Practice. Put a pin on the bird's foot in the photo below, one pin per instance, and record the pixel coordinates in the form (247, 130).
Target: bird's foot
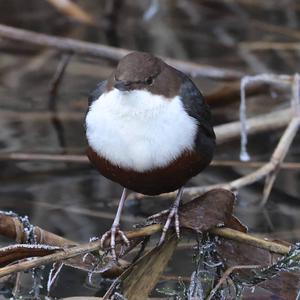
(173, 214)
(113, 233)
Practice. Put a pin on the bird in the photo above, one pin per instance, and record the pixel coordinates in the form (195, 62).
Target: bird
(148, 128)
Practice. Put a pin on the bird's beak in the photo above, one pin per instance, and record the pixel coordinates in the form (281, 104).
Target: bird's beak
(122, 86)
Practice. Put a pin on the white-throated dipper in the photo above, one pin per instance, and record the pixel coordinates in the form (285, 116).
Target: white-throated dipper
(148, 128)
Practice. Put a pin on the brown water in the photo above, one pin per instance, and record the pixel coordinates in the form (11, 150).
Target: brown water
(73, 200)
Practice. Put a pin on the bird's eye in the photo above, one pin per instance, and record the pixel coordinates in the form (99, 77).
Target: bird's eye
(149, 81)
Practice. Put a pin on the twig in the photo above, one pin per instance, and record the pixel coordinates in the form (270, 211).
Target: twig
(45, 157)
(98, 50)
(73, 10)
(56, 80)
(279, 155)
(224, 277)
(139, 233)
(252, 164)
(251, 240)
(261, 46)
(276, 29)
(54, 86)
(12, 227)
(82, 159)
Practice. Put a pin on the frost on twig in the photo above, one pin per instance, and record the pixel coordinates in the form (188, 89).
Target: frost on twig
(53, 274)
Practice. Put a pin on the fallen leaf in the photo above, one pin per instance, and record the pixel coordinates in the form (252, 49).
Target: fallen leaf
(212, 209)
(14, 253)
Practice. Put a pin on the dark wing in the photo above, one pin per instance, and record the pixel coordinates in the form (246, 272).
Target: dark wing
(196, 106)
(100, 89)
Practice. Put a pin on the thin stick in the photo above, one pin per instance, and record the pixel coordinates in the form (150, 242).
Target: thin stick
(224, 277)
(250, 240)
(279, 156)
(45, 157)
(54, 87)
(98, 50)
(82, 159)
(252, 164)
(262, 46)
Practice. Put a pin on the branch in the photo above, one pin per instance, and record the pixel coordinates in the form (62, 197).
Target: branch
(261, 46)
(12, 227)
(98, 50)
(139, 233)
(252, 164)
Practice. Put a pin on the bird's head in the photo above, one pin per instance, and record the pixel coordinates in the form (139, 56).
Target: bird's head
(143, 71)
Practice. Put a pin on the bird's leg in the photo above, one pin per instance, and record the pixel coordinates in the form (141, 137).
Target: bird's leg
(173, 213)
(115, 230)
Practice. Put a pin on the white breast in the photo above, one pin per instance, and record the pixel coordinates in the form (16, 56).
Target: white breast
(138, 130)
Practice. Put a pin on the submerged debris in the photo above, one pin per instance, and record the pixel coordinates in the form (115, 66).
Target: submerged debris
(208, 269)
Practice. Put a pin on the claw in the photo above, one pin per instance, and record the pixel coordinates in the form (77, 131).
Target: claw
(115, 231)
(173, 213)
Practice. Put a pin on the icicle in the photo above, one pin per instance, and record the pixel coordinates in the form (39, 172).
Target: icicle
(247, 80)
(151, 11)
(244, 156)
(295, 101)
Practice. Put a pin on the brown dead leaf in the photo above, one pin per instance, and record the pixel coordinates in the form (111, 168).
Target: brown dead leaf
(16, 252)
(211, 209)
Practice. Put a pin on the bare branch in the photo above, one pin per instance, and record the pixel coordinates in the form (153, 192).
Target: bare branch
(98, 50)
(139, 233)
(252, 164)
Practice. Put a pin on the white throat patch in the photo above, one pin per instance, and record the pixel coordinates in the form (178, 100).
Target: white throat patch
(138, 130)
